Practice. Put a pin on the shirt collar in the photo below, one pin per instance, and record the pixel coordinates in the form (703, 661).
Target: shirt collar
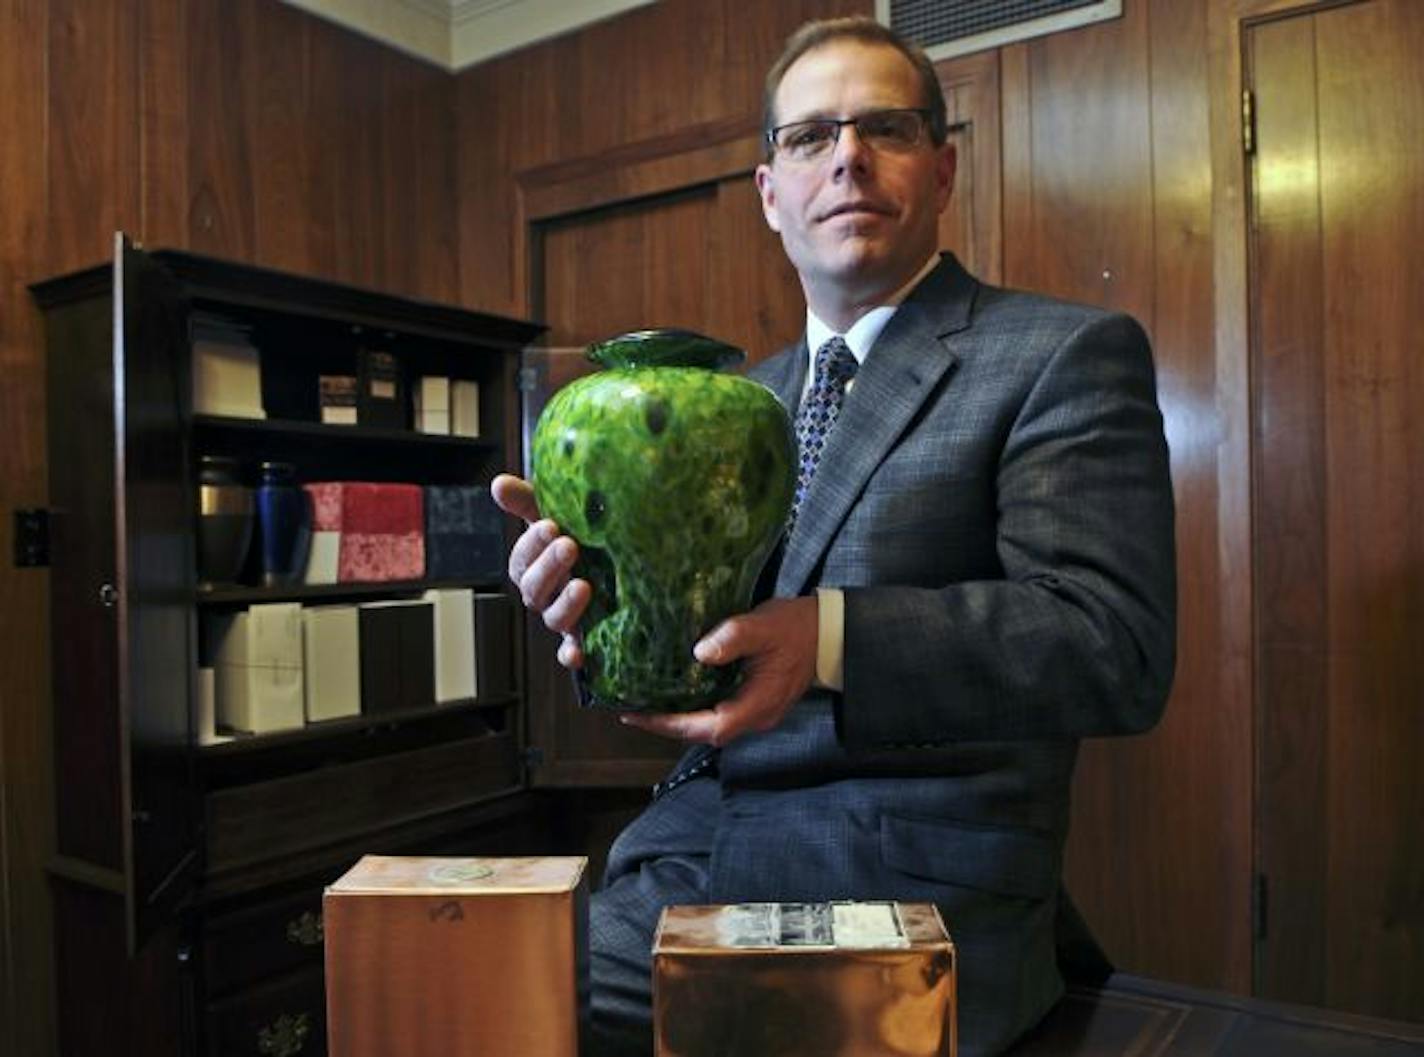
(863, 332)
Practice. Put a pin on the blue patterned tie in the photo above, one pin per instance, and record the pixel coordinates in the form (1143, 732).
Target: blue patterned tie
(835, 367)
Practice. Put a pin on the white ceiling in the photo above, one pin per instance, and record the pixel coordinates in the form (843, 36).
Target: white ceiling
(455, 34)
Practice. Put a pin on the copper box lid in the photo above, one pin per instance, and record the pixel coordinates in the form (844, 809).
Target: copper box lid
(413, 875)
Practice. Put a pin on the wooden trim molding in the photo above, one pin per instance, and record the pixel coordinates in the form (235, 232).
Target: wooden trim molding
(693, 156)
(456, 34)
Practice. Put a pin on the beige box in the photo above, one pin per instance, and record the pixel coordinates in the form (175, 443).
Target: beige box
(454, 643)
(432, 405)
(850, 979)
(227, 376)
(331, 650)
(258, 668)
(448, 957)
(465, 407)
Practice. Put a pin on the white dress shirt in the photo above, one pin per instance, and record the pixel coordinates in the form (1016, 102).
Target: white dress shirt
(861, 337)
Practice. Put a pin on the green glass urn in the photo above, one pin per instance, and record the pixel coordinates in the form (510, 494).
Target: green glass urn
(675, 479)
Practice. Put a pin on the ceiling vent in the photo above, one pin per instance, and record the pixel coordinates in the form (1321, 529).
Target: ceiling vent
(945, 28)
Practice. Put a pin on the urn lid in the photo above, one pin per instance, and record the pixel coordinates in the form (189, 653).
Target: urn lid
(665, 348)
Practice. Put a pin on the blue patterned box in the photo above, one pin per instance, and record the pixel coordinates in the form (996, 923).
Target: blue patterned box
(464, 534)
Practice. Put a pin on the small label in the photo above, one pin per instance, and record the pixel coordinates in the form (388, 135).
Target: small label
(873, 925)
(459, 873)
(749, 925)
(806, 925)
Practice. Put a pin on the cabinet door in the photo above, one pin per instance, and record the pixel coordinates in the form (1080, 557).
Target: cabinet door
(122, 586)
(154, 523)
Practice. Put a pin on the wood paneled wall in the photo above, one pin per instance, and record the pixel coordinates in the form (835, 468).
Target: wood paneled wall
(1108, 199)
(244, 129)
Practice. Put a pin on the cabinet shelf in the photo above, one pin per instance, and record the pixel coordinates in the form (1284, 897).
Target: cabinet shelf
(336, 434)
(229, 596)
(326, 729)
(325, 452)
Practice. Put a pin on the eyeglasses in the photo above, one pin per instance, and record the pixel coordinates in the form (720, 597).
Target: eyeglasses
(888, 131)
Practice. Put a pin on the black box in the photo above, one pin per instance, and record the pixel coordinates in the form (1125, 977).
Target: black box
(464, 534)
(417, 655)
(381, 399)
(380, 628)
(494, 645)
(397, 656)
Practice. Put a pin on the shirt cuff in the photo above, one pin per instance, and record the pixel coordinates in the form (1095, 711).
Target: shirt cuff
(830, 641)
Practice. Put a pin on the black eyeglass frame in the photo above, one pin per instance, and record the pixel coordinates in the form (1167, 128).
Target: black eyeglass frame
(925, 114)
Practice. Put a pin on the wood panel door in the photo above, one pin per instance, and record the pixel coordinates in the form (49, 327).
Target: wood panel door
(1336, 292)
(698, 257)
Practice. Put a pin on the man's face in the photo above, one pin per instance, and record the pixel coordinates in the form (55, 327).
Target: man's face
(856, 223)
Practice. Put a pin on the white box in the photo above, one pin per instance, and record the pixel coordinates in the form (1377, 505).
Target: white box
(454, 644)
(258, 661)
(432, 405)
(323, 557)
(465, 408)
(331, 652)
(227, 379)
(207, 721)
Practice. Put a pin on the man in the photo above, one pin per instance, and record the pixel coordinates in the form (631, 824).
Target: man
(979, 572)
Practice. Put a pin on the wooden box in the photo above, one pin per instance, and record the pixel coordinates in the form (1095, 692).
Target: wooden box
(804, 980)
(445, 957)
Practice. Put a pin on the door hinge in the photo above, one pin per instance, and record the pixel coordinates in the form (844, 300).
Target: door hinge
(1258, 906)
(1248, 121)
(528, 379)
(533, 756)
(31, 538)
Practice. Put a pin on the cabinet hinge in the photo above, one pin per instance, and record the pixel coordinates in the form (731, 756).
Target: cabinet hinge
(528, 379)
(1248, 121)
(1258, 906)
(533, 756)
(31, 538)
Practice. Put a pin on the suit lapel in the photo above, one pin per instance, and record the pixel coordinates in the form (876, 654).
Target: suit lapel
(904, 366)
(788, 377)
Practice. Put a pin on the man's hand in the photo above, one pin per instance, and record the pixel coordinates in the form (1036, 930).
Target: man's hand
(777, 644)
(541, 566)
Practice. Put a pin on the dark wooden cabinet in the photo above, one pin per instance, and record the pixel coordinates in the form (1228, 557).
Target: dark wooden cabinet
(188, 876)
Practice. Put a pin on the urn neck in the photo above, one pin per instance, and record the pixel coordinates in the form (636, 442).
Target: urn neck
(665, 348)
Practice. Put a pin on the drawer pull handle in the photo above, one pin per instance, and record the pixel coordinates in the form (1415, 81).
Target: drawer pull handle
(285, 1036)
(307, 930)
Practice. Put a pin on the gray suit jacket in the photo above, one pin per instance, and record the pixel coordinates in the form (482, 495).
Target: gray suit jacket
(995, 501)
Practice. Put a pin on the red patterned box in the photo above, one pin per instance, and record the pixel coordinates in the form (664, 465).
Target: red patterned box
(379, 530)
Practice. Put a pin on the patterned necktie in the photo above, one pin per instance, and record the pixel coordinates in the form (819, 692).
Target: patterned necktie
(835, 367)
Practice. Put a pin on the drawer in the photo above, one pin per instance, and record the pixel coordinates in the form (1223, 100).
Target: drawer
(259, 943)
(258, 823)
(283, 1019)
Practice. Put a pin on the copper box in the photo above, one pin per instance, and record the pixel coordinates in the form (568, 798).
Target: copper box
(452, 957)
(804, 980)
